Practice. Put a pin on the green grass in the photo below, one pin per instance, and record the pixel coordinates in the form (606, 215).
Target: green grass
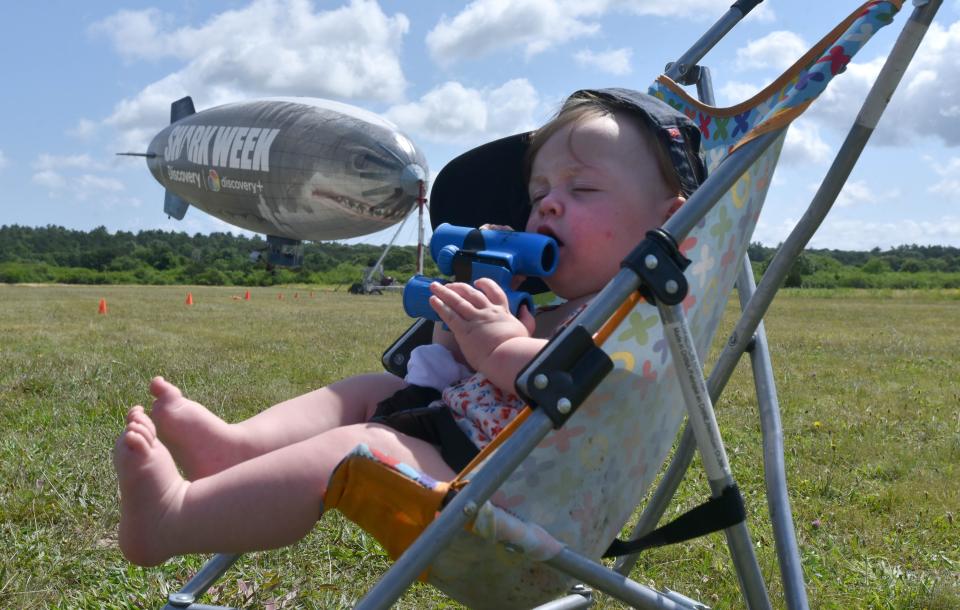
(868, 385)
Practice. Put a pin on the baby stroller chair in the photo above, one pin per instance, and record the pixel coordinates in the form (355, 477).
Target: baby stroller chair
(540, 506)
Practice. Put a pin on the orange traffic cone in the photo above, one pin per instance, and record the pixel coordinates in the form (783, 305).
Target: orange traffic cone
(103, 307)
(296, 295)
(246, 296)
(189, 298)
(311, 294)
(280, 297)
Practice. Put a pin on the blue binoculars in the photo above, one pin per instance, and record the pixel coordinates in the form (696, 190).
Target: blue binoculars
(469, 254)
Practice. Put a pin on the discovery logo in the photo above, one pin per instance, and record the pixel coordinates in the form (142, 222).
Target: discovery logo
(213, 181)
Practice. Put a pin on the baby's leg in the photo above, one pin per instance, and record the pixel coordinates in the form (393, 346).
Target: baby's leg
(203, 444)
(267, 502)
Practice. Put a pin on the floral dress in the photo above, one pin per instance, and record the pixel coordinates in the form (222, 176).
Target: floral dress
(480, 408)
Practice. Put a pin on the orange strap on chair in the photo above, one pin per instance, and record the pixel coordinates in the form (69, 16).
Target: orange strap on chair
(392, 507)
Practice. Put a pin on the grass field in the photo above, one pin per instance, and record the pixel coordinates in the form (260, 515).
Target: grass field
(869, 386)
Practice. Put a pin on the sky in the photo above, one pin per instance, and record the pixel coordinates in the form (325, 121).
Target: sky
(84, 80)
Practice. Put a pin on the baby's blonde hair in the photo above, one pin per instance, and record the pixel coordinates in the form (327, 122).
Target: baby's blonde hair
(587, 105)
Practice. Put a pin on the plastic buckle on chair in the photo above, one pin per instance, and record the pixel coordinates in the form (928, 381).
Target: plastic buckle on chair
(658, 262)
(564, 379)
(689, 75)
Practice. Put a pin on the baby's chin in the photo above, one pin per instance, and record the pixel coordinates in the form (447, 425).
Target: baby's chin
(570, 293)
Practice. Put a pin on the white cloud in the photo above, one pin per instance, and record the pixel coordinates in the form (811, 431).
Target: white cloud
(46, 162)
(138, 119)
(84, 129)
(761, 12)
(270, 47)
(804, 144)
(72, 175)
(514, 107)
(924, 105)
(615, 61)
(855, 192)
(777, 50)
(930, 101)
(49, 179)
(281, 46)
(447, 111)
(486, 26)
(698, 10)
(733, 92)
(453, 113)
(838, 105)
(849, 234)
(949, 185)
(863, 234)
(87, 183)
(135, 34)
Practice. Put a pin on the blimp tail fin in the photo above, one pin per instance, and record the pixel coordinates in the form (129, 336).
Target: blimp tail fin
(181, 108)
(174, 206)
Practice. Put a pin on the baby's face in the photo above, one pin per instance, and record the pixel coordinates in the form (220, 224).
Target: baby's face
(596, 188)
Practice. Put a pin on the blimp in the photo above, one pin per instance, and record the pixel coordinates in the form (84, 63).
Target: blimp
(293, 169)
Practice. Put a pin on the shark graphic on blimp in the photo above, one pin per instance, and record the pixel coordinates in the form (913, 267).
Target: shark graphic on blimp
(292, 168)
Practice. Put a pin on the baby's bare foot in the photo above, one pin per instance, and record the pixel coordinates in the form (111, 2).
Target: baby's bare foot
(201, 443)
(151, 491)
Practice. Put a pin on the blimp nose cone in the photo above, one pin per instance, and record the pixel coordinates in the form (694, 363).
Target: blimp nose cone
(411, 178)
(155, 155)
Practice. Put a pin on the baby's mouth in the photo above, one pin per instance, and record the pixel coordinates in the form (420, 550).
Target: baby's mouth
(549, 233)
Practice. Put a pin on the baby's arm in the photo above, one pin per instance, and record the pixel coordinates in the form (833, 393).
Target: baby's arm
(492, 340)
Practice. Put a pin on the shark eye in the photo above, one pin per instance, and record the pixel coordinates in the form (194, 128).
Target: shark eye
(369, 163)
(360, 161)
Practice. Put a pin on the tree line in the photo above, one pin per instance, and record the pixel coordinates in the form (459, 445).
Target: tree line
(56, 254)
(907, 266)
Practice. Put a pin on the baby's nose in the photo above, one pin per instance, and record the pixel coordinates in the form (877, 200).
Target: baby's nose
(550, 204)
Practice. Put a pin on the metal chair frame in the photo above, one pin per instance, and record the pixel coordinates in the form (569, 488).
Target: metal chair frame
(701, 431)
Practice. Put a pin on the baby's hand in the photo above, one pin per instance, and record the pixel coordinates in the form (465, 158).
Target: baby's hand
(479, 317)
(492, 227)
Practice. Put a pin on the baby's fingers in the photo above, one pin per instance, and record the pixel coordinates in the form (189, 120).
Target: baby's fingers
(470, 294)
(527, 319)
(445, 314)
(492, 227)
(452, 297)
(493, 292)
